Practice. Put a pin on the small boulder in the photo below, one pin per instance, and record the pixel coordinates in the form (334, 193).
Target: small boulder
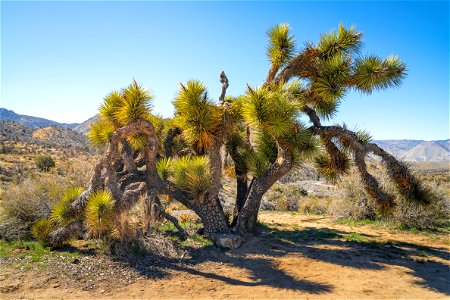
(230, 241)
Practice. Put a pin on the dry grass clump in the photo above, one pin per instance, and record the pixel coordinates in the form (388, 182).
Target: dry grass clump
(355, 204)
(283, 197)
(434, 216)
(23, 203)
(159, 244)
(314, 205)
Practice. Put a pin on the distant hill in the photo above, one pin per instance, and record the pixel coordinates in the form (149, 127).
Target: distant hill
(61, 137)
(427, 151)
(49, 136)
(417, 150)
(12, 131)
(24, 127)
(33, 122)
(84, 127)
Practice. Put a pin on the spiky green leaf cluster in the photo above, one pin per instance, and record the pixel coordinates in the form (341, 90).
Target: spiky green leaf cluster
(164, 167)
(344, 40)
(332, 167)
(100, 132)
(100, 212)
(264, 154)
(61, 213)
(281, 45)
(189, 173)
(364, 137)
(239, 150)
(137, 141)
(40, 230)
(294, 91)
(373, 73)
(300, 141)
(269, 110)
(109, 108)
(196, 114)
(118, 109)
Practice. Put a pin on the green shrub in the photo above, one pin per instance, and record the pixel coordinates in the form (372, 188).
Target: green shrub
(60, 214)
(44, 162)
(41, 229)
(100, 213)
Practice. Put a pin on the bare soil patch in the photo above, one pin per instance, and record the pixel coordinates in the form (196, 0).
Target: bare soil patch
(294, 256)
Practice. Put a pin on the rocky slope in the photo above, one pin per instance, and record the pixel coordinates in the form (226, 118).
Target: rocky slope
(50, 136)
(84, 127)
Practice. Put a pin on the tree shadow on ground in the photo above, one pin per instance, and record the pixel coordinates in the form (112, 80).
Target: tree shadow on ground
(341, 248)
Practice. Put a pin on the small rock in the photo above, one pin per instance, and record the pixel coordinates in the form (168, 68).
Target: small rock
(229, 241)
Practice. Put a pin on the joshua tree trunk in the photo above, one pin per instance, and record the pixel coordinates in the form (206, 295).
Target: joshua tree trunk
(248, 215)
(212, 216)
(241, 195)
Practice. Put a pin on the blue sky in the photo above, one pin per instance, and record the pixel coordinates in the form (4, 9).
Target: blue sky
(59, 59)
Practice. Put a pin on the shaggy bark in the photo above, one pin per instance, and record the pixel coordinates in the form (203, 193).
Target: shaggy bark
(406, 183)
(301, 65)
(127, 155)
(213, 218)
(271, 74)
(58, 237)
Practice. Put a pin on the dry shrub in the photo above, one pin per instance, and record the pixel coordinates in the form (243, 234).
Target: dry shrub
(24, 203)
(124, 231)
(189, 218)
(356, 204)
(159, 244)
(282, 197)
(435, 215)
(353, 203)
(314, 205)
(286, 203)
(33, 198)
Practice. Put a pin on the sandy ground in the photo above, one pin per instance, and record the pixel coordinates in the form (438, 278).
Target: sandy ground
(295, 257)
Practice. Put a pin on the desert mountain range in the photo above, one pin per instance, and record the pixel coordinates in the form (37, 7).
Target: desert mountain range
(22, 126)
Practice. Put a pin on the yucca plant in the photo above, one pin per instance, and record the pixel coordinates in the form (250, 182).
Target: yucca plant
(190, 174)
(281, 47)
(100, 132)
(100, 213)
(135, 104)
(61, 213)
(197, 115)
(261, 130)
(119, 109)
(40, 230)
(269, 110)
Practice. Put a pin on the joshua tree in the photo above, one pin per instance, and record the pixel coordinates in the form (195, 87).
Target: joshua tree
(146, 156)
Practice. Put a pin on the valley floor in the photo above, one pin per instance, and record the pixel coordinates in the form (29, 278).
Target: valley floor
(295, 256)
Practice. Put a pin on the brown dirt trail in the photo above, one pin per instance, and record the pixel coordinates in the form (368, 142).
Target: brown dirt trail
(295, 257)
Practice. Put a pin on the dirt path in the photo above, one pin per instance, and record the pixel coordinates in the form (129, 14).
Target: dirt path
(294, 257)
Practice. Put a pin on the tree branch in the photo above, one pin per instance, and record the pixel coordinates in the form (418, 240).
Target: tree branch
(168, 142)
(224, 82)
